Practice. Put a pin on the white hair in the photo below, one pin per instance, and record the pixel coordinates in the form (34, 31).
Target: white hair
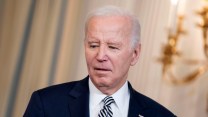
(116, 11)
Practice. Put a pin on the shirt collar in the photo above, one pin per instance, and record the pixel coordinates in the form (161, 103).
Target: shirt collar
(96, 95)
(119, 96)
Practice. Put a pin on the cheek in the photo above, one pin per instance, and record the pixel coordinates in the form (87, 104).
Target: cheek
(88, 59)
(122, 63)
(89, 56)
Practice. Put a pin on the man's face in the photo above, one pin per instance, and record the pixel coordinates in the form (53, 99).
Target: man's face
(108, 52)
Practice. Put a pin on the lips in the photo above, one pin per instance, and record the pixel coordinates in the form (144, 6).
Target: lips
(101, 69)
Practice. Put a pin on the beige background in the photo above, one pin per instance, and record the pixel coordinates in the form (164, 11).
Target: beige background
(41, 44)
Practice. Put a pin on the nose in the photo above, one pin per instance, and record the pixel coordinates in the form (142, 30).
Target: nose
(102, 54)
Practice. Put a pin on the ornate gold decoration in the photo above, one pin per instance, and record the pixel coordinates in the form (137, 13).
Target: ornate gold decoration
(204, 26)
(170, 52)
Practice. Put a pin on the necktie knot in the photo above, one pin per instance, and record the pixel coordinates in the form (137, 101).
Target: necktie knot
(107, 111)
(108, 100)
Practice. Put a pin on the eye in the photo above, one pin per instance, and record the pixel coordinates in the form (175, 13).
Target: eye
(113, 47)
(93, 45)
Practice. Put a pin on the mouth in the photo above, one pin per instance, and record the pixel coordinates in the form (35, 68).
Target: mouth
(102, 69)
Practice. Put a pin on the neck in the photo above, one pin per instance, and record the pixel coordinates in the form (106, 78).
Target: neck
(110, 90)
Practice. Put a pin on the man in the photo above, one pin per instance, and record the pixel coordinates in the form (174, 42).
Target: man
(112, 45)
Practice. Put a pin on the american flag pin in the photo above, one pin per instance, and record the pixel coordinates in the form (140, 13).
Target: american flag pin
(140, 116)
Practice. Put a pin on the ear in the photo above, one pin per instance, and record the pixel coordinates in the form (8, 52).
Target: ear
(136, 54)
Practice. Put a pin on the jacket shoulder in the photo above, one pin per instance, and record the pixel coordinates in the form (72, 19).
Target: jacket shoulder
(54, 100)
(150, 106)
(57, 89)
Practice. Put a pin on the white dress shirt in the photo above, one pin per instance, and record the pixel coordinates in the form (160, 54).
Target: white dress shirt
(120, 107)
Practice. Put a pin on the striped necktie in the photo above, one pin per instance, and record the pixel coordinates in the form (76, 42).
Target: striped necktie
(107, 111)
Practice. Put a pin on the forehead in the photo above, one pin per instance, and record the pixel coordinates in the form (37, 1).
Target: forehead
(108, 26)
(112, 35)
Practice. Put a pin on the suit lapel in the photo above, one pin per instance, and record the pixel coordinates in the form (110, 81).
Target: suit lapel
(79, 99)
(135, 109)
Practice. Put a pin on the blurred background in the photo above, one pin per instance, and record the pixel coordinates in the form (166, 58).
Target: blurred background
(41, 44)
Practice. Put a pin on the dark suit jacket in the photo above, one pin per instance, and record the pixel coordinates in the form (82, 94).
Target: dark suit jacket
(72, 100)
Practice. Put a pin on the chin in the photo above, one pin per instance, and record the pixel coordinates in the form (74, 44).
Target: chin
(102, 80)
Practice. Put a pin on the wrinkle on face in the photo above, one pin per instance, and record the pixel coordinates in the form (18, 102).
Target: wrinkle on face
(108, 52)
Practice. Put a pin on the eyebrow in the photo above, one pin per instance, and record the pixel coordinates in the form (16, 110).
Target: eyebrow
(92, 41)
(115, 43)
(109, 42)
